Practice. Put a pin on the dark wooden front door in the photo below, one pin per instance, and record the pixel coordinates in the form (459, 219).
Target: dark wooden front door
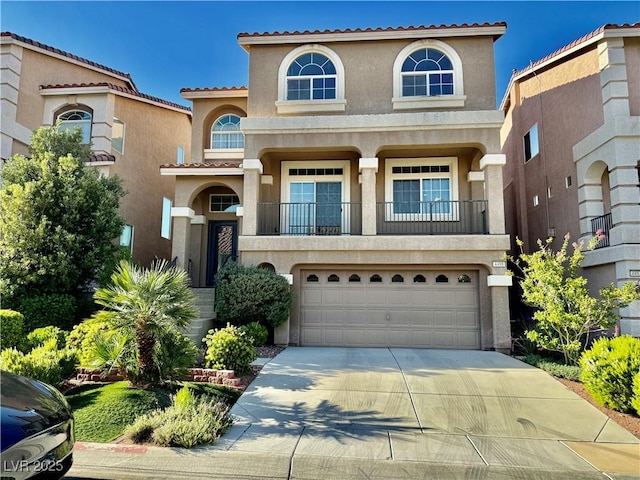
(222, 247)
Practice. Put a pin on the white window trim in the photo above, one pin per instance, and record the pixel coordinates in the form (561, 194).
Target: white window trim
(443, 101)
(452, 162)
(211, 195)
(81, 124)
(524, 143)
(212, 132)
(124, 128)
(166, 217)
(344, 179)
(292, 107)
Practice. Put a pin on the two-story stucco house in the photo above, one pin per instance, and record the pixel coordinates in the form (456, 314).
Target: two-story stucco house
(572, 141)
(131, 133)
(366, 166)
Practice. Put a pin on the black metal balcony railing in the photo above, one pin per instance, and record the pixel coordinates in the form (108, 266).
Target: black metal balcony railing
(304, 219)
(464, 217)
(602, 225)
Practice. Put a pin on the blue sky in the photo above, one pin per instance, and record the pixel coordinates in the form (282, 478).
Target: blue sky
(167, 46)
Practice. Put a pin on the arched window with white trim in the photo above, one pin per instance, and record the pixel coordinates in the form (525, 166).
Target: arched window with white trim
(311, 79)
(427, 74)
(226, 134)
(72, 119)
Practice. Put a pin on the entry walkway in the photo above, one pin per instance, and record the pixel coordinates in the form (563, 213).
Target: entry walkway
(346, 413)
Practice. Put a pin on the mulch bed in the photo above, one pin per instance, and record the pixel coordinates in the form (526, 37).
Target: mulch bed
(629, 422)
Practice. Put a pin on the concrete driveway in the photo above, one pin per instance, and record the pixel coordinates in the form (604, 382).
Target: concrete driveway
(410, 413)
(355, 413)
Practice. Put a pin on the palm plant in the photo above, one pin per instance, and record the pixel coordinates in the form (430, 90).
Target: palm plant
(147, 305)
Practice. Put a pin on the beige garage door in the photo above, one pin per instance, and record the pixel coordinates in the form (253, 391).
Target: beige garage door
(436, 309)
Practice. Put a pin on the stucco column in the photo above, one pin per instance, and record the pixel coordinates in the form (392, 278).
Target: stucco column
(181, 229)
(491, 165)
(252, 168)
(368, 167)
(499, 286)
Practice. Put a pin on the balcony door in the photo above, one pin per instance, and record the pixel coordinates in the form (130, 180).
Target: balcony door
(316, 208)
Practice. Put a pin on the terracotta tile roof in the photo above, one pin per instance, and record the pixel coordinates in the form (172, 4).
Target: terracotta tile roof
(371, 30)
(566, 48)
(102, 157)
(118, 88)
(71, 56)
(212, 89)
(575, 43)
(216, 164)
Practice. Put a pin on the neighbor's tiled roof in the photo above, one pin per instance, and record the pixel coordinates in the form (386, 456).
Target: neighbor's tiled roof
(102, 157)
(372, 30)
(69, 55)
(575, 43)
(212, 89)
(216, 164)
(118, 88)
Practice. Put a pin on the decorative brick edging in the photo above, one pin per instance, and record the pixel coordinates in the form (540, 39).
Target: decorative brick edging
(204, 375)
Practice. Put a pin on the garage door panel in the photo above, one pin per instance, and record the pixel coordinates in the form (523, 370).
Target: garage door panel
(386, 313)
(467, 319)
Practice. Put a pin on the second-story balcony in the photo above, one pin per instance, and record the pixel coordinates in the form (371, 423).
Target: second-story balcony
(601, 226)
(466, 217)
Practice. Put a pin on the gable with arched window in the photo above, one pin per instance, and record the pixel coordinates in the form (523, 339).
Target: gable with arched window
(427, 74)
(311, 79)
(76, 118)
(226, 134)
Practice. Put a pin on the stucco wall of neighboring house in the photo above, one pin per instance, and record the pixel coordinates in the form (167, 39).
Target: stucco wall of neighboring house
(152, 135)
(369, 74)
(566, 104)
(40, 69)
(632, 58)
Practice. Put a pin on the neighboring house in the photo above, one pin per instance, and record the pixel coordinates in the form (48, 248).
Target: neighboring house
(131, 133)
(366, 166)
(572, 142)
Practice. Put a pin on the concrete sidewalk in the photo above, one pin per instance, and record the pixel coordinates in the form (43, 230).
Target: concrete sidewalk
(346, 413)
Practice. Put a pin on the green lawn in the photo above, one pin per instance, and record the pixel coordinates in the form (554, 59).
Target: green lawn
(102, 411)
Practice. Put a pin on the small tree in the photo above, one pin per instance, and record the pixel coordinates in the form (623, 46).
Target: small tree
(246, 294)
(58, 218)
(565, 311)
(148, 306)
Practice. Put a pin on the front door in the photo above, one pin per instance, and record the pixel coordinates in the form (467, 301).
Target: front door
(222, 247)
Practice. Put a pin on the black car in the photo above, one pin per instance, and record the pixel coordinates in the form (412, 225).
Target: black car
(37, 429)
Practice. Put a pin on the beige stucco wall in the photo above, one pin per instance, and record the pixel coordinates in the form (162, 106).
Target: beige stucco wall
(205, 112)
(632, 59)
(369, 74)
(39, 69)
(566, 103)
(152, 135)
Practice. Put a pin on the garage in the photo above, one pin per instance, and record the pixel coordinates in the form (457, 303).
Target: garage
(404, 308)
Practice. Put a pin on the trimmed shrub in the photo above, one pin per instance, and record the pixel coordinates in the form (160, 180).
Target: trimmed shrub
(10, 328)
(256, 332)
(560, 370)
(40, 336)
(190, 421)
(45, 363)
(246, 294)
(83, 337)
(58, 310)
(608, 371)
(230, 348)
(635, 401)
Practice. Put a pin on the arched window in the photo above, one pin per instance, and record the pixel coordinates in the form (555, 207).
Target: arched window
(333, 278)
(354, 278)
(419, 279)
(464, 279)
(311, 79)
(312, 278)
(427, 71)
(397, 278)
(226, 134)
(311, 76)
(427, 74)
(375, 278)
(442, 279)
(72, 119)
